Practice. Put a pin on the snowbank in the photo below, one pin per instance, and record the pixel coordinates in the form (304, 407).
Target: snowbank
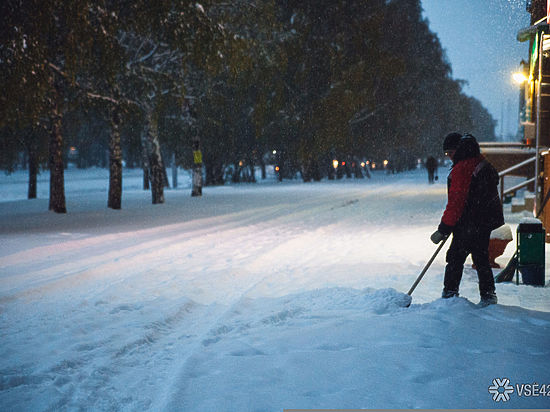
(503, 233)
(530, 220)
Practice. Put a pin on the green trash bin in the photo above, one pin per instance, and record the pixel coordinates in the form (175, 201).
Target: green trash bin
(530, 242)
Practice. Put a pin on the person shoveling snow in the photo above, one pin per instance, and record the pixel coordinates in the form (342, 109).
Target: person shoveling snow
(473, 210)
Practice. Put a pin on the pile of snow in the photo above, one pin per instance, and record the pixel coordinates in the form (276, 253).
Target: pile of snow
(530, 221)
(253, 297)
(503, 233)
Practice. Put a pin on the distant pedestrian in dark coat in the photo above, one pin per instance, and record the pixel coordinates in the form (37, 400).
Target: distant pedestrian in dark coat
(473, 211)
(431, 166)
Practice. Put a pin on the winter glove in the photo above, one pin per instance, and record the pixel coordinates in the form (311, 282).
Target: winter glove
(437, 237)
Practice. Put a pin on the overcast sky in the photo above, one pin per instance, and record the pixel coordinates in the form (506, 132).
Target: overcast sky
(479, 37)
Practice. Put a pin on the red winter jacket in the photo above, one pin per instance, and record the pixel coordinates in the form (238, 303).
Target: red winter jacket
(473, 198)
(460, 179)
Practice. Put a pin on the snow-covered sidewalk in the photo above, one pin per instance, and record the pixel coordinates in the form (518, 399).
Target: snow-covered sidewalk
(253, 297)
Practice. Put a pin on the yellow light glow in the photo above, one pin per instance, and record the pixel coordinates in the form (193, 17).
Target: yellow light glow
(373, 165)
(362, 164)
(385, 163)
(519, 77)
(335, 164)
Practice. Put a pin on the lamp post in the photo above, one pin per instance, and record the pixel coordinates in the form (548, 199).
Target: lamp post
(539, 119)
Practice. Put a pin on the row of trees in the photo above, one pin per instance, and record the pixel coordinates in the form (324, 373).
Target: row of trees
(312, 80)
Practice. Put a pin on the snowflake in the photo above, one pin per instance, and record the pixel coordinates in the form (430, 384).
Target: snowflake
(501, 389)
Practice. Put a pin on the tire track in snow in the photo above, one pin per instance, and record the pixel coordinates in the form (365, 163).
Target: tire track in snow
(82, 260)
(170, 331)
(105, 371)
(110, 366)
(164, 335)
(89, 262)
(213, 332)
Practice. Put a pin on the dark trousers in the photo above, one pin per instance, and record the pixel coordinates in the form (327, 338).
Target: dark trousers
(467, 241)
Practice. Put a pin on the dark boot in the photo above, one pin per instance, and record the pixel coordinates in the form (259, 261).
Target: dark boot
(488, 299)
(446, 294)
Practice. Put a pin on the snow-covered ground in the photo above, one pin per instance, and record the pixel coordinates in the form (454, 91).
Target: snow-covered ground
(252, 298)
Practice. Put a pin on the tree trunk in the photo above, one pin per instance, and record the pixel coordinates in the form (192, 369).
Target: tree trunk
(165, 181)
(155, 161)
(214, 173)
(115, 162)
(57, 179)
(197, 168)
(236, 178)
(145, 157)
(252, 170)
(174, 171)
(33, 171)
(263, 168)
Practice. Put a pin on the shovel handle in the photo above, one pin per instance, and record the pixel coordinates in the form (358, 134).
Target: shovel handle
(419, 278)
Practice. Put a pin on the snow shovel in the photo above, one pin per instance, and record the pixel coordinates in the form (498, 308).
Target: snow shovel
(507, 274)
(419, 278)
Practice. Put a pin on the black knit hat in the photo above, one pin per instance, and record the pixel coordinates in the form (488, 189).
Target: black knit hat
(468, 147)
(451, 141)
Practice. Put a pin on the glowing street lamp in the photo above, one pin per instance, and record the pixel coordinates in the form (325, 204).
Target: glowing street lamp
(519, 77)
(335, 164)
(522, 79)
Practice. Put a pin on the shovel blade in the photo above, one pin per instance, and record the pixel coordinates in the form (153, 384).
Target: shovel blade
(507, 274)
